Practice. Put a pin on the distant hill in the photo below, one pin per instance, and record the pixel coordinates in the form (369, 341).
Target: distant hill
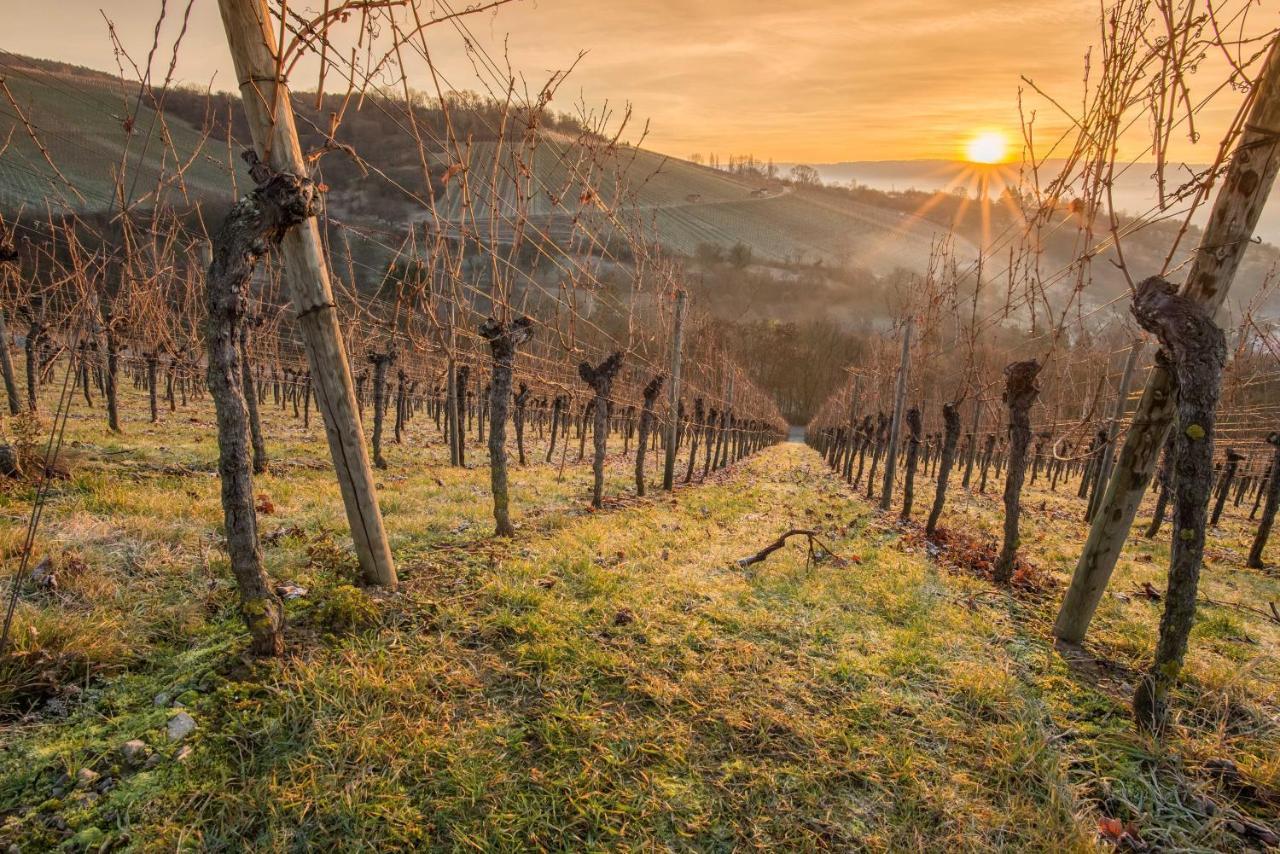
(811, 252)
(1134, 187)
(79, 115)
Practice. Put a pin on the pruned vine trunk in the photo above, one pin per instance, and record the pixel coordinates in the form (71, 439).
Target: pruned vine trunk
(913, 456)
(521, 400)
(1019, 394)
(380, 362)
(251, 401)
(1224, 485)
(1194, 351)
(651, 392)
(950, 438)
(6, 369)
(256, 222)
(600, 379)
(1269, 509)
(504, 340)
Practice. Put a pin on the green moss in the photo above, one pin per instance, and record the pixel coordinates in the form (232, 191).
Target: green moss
(344, 609)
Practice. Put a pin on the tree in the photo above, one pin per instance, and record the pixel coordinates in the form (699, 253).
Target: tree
(805, 175)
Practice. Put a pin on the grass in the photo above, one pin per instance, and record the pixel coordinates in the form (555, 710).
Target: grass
(605, 680)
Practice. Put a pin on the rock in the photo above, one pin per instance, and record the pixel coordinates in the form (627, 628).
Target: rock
(180, 726)
(153, 761)
(162, 699)
(134, 752)
(86, 776)
(290, 591)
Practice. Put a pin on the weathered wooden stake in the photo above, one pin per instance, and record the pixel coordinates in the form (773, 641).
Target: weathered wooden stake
(267, 106)
(1113, 429)
(895, 426)
(677, 345)
(1235, 214)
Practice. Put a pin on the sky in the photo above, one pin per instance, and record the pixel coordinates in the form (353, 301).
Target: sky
(817, 81)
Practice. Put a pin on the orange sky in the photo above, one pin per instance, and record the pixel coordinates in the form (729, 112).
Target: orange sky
(813, 80)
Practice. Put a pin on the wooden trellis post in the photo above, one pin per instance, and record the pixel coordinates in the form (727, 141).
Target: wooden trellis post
(1236, 210)
(677, 343)
(895, 428)
(267, 107)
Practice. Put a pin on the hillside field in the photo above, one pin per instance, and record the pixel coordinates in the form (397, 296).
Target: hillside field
(606, 679)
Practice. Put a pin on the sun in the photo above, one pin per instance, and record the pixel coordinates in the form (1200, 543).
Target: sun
(987, 147)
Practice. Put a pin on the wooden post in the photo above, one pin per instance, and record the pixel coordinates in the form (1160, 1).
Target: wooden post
(853, 426)
(677, 343)
(1108, 452)
(1236, 210)
(895, 426)
(267, 107)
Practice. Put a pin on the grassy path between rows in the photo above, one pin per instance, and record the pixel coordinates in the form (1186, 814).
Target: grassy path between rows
(615, 681)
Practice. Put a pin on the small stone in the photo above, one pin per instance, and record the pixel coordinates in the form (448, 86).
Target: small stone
(133, 751)
(153, 761)
(86, 776)
(162, 699)
(180, 726)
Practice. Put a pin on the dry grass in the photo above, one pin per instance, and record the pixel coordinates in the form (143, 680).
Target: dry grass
(607, 680)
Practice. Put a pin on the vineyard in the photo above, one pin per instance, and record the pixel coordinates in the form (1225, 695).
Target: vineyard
(377, 472)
